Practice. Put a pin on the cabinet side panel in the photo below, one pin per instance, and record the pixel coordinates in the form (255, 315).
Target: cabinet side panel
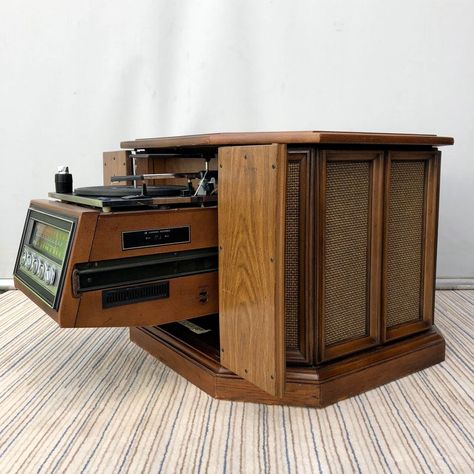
(251, 263)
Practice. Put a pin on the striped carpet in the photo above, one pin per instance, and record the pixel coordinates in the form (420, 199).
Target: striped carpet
(88, 400)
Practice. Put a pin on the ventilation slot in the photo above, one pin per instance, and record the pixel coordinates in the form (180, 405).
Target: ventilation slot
(135, 294)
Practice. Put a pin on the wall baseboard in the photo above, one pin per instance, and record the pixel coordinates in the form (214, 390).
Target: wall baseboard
(6, 284)
(455, 283)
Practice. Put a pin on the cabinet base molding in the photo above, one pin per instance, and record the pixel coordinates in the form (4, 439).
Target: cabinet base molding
(315, 387)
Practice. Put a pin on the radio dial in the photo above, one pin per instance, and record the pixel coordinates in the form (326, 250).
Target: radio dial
(47, 271)
(34, 265)
(52, 276)
(40, 271)
(28, 260)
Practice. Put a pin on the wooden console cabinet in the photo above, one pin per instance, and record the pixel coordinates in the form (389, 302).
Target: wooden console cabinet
(327, 258)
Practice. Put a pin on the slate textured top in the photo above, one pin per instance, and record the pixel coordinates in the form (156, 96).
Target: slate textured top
(294, 137)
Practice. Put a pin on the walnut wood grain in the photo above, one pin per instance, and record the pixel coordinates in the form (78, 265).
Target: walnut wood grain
(251, 261)
(317, 387)
(301, 137)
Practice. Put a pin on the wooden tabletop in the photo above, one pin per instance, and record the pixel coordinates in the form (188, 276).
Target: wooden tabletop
(304, 137)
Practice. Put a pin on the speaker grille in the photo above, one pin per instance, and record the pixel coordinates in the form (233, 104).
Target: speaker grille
(346, 251)
(405, 242)
(292, 256)
(135, 294)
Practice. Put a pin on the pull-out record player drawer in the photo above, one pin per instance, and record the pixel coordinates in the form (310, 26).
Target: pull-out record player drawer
(135, 268)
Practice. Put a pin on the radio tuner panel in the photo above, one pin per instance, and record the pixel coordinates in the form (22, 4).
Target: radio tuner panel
(89, 268)
(44, 252)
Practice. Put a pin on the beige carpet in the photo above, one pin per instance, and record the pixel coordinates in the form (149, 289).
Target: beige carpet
(88, 400)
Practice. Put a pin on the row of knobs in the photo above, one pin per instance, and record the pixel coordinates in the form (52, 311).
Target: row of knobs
(41, 269)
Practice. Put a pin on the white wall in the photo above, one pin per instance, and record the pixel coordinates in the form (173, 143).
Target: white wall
(76, 78)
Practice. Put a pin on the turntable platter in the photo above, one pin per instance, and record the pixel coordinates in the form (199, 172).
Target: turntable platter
(127, 191)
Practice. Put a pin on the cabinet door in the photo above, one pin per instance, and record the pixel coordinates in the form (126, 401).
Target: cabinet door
(410, 223)
(349, 228)
(251, 263)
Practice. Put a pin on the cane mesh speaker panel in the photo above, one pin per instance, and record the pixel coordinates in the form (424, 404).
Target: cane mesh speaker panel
(292, 256)
(346, 251)
(405, 242)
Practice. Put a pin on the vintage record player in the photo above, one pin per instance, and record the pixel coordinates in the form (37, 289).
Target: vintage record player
(279, 267)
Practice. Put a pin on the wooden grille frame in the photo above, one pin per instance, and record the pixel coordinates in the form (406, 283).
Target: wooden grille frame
(306, 333)
(429, 242)
(326, 352)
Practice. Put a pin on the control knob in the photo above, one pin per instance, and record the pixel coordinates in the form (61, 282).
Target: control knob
(40, 271)
(35, 264)
(50, 275)
(29, 260)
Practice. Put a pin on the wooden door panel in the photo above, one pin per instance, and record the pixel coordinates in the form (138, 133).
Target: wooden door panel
(410, 217)
(349, 251)
(251, 263)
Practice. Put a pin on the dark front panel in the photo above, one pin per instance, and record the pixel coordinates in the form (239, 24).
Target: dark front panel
(299, 334)
(350, 193)
(410, 225)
